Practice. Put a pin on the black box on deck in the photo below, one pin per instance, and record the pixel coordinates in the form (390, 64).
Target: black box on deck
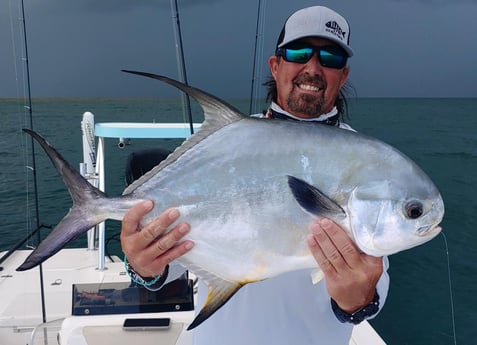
(127, 298)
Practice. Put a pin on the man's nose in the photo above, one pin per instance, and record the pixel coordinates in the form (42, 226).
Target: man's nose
(314, 64)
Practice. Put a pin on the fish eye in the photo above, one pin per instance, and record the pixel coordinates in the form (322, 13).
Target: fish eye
(414, 209)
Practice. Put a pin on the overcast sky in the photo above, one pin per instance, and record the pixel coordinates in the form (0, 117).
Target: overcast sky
(403, 48)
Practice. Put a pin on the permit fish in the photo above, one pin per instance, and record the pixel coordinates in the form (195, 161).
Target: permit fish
(250, 189)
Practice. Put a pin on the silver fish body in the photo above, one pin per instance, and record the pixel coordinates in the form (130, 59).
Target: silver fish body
(250, 189)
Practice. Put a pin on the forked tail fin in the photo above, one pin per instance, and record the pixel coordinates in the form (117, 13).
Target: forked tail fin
(90, 207)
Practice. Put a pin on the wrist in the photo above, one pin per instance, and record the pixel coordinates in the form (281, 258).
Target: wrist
(359, 315)
(349, 307)
(137, 278)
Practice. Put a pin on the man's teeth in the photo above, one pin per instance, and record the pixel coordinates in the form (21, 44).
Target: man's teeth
(309, 87)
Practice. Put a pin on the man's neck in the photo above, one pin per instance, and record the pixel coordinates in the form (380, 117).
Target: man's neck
(276, 112)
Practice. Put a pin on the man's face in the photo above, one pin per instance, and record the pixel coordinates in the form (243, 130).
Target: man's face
(307, 90)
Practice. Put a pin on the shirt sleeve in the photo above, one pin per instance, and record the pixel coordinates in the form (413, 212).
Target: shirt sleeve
(383, 286)
(175, 271)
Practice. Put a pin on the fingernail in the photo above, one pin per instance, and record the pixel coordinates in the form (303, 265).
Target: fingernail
(310, 240)
(174, 213)
(184, 228)
(148, 204)
(315, 228)
(325, 223)
(189, 245)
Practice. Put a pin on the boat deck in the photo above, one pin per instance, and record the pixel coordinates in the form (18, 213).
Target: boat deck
(20, 310)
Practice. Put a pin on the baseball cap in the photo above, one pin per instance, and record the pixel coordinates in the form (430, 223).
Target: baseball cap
(316, 21)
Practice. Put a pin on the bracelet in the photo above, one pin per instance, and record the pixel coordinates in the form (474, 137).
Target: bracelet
(359, 315)
(138, 279)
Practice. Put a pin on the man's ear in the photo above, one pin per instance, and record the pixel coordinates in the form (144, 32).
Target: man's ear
(273, 62)
(344, 77)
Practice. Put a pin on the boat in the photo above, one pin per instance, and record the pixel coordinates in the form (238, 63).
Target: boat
(82, 296)
(84, 289)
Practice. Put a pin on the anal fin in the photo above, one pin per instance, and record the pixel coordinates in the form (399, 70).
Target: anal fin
(220, 291)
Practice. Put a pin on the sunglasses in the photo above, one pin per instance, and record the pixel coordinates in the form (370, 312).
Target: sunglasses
(329, 56)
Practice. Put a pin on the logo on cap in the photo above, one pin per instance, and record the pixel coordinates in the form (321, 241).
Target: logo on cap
(335, 29)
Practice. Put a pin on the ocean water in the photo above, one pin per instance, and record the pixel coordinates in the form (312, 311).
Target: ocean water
(433, 287)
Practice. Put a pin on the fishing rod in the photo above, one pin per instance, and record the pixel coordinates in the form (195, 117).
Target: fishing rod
(20, 243)
(256, 67)
(181, 60)
(33, 166)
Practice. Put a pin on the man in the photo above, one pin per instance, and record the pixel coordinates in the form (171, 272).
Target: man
(309, 69)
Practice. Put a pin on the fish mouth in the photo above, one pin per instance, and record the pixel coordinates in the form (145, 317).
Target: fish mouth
(428, 230)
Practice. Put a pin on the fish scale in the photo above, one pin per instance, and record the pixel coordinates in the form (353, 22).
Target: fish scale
(250, 189)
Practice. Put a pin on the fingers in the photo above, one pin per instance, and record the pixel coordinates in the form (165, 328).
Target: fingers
(157, 227)
(351, 276)
(167, 248)
(174, 252)
(157, 244)
(332, 247)
(168, 241)
(133, 217)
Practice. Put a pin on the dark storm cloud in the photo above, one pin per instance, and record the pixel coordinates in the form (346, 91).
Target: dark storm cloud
(127, 5)
(113, 7)
(439, 2)
(77, 48)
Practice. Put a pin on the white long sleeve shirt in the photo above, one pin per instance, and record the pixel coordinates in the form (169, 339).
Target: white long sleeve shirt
(284, 310)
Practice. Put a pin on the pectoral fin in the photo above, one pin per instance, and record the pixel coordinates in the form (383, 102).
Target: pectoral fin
(313, 200)
(220, 291)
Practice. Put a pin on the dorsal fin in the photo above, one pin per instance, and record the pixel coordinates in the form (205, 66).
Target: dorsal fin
(217, 113)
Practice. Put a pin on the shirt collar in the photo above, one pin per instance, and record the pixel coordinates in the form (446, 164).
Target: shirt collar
(331, 118)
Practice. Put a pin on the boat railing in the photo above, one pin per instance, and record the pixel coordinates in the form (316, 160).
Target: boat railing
(46, 333)
(121, 131)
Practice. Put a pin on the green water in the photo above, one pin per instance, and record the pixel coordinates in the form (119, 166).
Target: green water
(439, 134)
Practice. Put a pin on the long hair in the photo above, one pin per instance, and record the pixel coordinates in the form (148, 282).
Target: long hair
(341, 101)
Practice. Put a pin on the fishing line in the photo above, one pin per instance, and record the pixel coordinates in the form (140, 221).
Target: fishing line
(181, 65)
(28, 122)
(257, 58)
(22, 109)
(261, 56)
(14, 51)
(450, 287)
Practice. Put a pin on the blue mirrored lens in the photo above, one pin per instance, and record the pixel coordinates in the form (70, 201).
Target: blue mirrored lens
(328, 59)
(298, 55)
(328, 56)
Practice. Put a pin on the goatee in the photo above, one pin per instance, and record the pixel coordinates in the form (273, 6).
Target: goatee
(308, 104)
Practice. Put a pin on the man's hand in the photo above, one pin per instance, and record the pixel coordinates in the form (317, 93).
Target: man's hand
(351, 276)
(150, 249)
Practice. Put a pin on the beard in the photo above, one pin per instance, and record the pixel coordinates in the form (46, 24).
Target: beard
(308, 104)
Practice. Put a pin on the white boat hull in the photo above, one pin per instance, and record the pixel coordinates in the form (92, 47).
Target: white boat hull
(21, 315)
